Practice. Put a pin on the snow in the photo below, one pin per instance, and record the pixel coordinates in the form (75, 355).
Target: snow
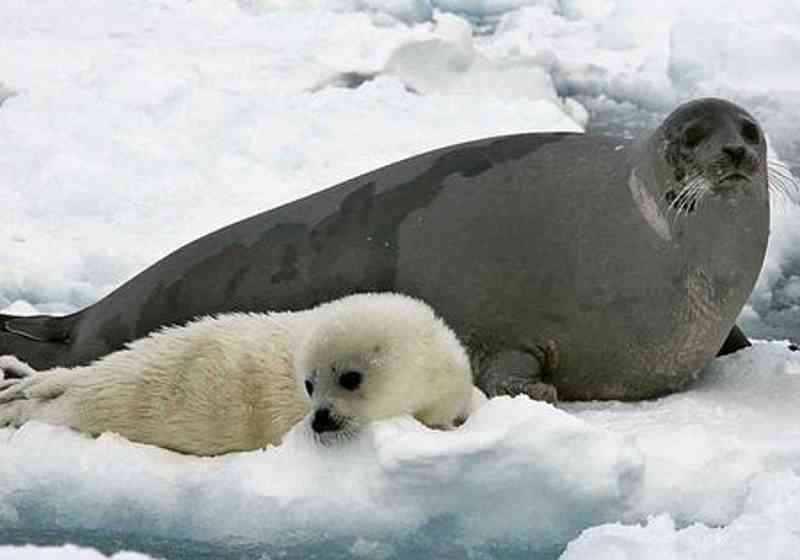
(546, 474)
(132, 127)
(752, 536)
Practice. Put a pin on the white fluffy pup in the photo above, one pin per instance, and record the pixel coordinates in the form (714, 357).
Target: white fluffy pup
(241, 381)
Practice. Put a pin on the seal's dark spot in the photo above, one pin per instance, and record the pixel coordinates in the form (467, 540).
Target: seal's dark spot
(288, 265)
(350, 380)
(794, 347)
(309, 388)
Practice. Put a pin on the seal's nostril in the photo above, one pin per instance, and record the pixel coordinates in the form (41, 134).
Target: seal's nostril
(735, 153)
(324, 422)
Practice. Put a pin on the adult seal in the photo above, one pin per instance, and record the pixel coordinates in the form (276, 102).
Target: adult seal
(586, 267)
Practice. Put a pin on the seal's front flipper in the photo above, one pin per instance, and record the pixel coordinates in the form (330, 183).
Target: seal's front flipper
(515, 372)
(537, 390)
(736, 341)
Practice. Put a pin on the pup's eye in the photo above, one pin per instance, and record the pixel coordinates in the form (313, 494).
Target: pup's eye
(350, 380)
(309, 388)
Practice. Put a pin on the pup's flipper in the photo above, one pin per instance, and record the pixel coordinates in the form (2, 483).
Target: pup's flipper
(40, 386)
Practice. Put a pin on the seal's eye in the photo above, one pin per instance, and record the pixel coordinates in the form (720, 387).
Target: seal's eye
(694, 134)
(309, 388)
(750, 132)
(350, 380)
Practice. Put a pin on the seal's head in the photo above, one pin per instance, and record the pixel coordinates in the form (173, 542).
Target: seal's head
(710, 148)
(374, 356)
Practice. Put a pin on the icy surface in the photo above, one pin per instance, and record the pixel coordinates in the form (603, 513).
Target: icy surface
(518, 472)
(132, 127)
(717, 466)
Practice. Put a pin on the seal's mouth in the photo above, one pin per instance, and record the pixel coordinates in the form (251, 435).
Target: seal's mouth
(330, 429)
(731, 182)
(735, 177)
(340, 437)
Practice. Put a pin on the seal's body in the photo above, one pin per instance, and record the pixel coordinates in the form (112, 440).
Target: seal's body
(590, 264)
(241, 381)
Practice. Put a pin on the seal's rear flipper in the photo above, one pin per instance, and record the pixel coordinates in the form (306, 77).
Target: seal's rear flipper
(41, 341)
(736, 341)
(41, 328)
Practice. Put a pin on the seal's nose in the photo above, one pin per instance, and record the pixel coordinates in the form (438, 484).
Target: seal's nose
(324, 422)
(735, 153)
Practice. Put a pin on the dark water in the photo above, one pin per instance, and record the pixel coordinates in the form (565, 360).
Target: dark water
(436, 541)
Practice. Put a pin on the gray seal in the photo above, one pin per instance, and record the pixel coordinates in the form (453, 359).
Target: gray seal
(576, 266)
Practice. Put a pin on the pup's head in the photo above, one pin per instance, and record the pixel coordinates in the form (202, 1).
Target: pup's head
(374, 356)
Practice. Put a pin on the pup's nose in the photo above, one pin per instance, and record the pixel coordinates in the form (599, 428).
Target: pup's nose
(324, 422)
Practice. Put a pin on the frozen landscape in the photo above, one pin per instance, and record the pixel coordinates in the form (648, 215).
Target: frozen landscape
(129, 128)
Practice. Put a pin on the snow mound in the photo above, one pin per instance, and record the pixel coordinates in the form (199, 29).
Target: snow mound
(764, 530)
(703, 447)
(518, 471)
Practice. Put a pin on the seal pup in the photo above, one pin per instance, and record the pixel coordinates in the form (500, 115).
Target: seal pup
(570, 265)
(241, 381)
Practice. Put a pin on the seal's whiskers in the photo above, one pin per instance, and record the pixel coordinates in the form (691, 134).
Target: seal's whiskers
(690, 196)
(782, 181)
(702, 188)
(334, 439)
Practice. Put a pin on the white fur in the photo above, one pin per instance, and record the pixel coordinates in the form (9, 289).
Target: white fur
(228, 383)
(411, 362)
